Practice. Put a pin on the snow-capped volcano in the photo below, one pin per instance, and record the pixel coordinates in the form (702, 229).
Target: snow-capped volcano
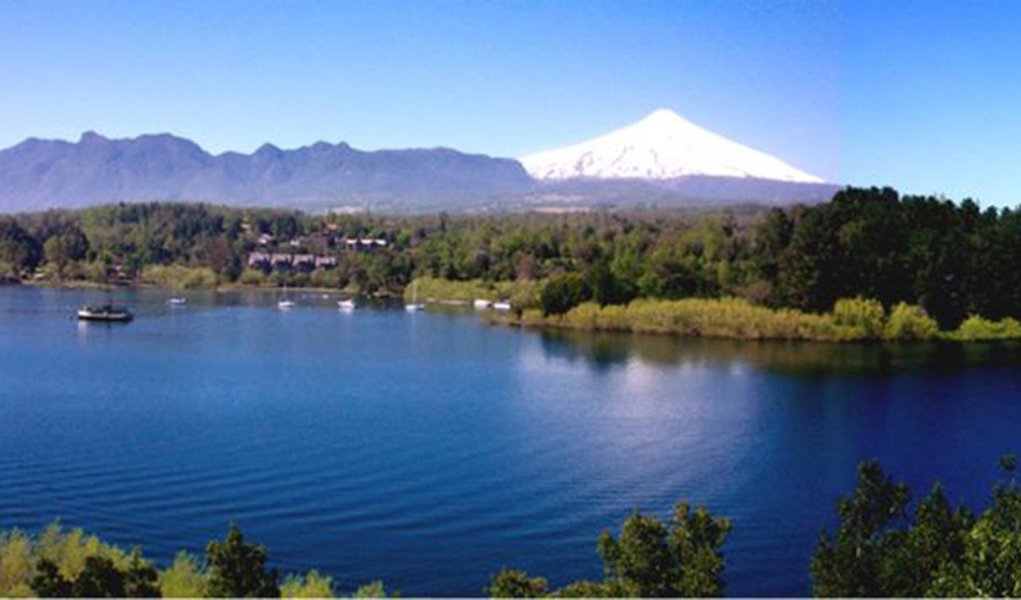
(661, 146)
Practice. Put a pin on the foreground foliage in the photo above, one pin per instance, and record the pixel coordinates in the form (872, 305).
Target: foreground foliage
(650, 559)
(881, 549)
(62, 563)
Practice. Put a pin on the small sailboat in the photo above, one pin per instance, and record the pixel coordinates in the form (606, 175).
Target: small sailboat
(415, 306)
(286, 302)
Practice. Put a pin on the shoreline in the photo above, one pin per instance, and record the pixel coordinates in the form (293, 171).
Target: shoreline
(222, 288)
(690, 318)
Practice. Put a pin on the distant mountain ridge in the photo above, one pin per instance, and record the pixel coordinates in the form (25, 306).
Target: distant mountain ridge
(663, 160)
(38, 174)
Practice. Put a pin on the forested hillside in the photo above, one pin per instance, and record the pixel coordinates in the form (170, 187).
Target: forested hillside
(952, 259)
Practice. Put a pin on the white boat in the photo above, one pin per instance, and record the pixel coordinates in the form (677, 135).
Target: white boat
(107, 313)
(286, 302)
(502, 305)
(177, 301)
(414, 306)
(481, 304)
(346, 304)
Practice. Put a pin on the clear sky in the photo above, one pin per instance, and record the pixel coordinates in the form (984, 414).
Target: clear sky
(923, 95)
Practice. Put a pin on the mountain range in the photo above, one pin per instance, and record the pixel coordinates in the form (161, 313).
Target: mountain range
(663, 160)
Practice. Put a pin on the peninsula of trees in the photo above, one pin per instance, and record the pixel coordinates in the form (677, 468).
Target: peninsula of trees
(905, 267)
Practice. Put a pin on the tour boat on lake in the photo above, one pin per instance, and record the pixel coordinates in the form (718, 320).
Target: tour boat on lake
(105, 312)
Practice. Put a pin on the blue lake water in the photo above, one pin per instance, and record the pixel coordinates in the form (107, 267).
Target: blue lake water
(429, 450)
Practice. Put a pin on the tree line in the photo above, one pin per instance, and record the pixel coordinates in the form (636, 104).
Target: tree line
(951, 259)
(881, 547)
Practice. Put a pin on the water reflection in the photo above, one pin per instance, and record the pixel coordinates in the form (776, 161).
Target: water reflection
(801, 359)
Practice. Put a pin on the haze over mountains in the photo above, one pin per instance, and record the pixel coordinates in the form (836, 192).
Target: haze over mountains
(662, 160)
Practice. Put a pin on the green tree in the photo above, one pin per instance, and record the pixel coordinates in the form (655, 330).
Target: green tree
(99, 579)
(852, 563)
(563, 292)
(183, 579)
(238, 569)
(680, 558)
(313, 585)
(991, 562)
(48, 583)
(511, 583)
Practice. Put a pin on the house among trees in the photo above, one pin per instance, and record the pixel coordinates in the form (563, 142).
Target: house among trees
(259, 260)
(365, 244)
(306, 262)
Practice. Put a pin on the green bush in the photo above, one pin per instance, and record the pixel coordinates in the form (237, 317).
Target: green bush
(184, 578)
(976, 328)
(252, 277)
(313, 585)
(910, 322)
(864, 314)
(650, 559)
(237, 569)
(563, 292)
(511, 583)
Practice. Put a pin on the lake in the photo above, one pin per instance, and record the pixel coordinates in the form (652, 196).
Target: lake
(429, 450)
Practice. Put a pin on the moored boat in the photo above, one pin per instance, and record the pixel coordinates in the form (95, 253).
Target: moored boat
(502, 305)
(414, 305)
(106, 312)
(346, 304)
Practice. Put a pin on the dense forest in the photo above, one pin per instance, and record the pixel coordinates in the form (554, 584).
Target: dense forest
(951, 259)
(880, 548)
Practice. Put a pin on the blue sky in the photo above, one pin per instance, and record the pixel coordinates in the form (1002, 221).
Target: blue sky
(925, 96)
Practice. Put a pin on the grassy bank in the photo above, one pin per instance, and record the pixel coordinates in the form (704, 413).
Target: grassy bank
(851, 320)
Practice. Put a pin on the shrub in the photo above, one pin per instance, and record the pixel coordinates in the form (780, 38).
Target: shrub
(16, 565)
(252, 277)
(910, 322)
(511, 583)
(313, 585)
(238, 569)
(563, 292)
(976, 328)
(184, 578)
(376, 589)
(650, 559)
(864, 314)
